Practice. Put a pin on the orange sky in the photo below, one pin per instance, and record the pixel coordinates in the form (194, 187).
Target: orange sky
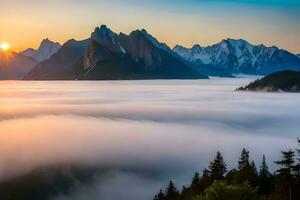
(24, 23)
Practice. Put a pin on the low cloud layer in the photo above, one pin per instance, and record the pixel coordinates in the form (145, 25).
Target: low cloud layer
(172, 128)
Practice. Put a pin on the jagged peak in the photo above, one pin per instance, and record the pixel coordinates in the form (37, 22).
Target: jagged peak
(104, 31)
(196, 46)
(70, 41)
(137, 32)
(178, 46)
(144, 34)
(236, 40)
(102, 28)
(48, 41)
(144, 31)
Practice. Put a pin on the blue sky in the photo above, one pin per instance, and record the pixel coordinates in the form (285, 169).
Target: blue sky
(283, 3)
(183, 22)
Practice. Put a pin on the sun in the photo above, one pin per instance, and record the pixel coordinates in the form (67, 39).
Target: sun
(4, 46)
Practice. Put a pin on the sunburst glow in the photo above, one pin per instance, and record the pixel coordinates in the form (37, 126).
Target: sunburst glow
(4, 46)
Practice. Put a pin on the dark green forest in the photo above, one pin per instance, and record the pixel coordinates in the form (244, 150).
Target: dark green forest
(287, 81)
(246, 182)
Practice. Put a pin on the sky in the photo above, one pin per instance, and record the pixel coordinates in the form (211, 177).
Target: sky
(24, 23)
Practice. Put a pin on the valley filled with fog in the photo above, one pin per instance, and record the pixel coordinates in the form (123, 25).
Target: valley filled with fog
(143, 133)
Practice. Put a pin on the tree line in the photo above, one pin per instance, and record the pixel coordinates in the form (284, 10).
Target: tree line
(246, 182)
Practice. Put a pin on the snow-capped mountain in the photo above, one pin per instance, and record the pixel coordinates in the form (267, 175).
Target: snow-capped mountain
(239, 56)
(46, 49)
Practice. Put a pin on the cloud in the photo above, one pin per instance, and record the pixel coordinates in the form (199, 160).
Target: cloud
(128, 185)
(161, 130)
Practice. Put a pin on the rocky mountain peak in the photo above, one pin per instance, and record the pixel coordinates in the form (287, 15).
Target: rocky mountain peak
(103, 32)
(48, 45)
(196, 46)
(46, 49)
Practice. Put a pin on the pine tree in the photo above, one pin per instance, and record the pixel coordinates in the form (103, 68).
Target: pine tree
(196, 185)
(287, 164)
(205, 181)
(264, 169)
(253, 166)
(244, 159)
(246, 171)
(265, 178)
(196, 180)
(298, 151)
(296, 168)
(186, 193)
(217, 167)
(172, 192)
(160, 196)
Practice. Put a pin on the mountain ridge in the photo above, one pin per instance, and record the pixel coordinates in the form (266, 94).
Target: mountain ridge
(240, 56)
(110, 56)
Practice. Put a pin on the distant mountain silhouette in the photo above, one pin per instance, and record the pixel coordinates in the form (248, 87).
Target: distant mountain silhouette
(287, 81)
(14, 65)
(238, 56)
(63, 65)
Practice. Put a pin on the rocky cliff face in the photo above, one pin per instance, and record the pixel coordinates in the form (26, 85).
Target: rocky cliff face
(135, 56)
(104, 43)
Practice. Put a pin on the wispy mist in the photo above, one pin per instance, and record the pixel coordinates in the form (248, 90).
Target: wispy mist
(158, 129)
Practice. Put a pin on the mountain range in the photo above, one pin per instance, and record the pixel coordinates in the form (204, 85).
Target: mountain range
(239, 56)
(107, 55)
(110, 56)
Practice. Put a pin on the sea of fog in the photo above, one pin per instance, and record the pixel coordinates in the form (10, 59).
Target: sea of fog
(159, 129)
